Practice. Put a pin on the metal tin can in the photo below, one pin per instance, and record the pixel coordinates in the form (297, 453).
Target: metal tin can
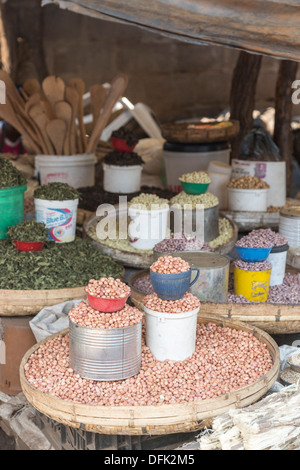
(105, 354)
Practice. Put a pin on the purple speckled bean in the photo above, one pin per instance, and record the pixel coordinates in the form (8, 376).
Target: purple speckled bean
(144, 284)
(173, 244)
(287, 294)
(262, 238)
(263, 266)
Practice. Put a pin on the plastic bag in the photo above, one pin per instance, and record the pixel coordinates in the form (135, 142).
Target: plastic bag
(259, 146)
(51, 320)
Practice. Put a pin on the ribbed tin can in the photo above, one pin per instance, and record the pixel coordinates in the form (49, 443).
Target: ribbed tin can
(105, 354)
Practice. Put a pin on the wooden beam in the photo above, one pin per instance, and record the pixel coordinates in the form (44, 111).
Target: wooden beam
(242, 96)
(283, 137)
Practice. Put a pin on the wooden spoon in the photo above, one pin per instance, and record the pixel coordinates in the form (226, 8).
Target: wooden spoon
(71, 96)
(38, 114)
(63, 110)
(117, 89)
(56, 130)
(8, 114)
(98, 96)
(54, 89)
(31, 86)
(79, 86)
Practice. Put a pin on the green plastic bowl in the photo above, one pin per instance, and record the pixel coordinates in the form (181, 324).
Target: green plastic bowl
(194, 188)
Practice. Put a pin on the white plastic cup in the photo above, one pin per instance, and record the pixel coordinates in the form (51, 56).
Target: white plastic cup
(171, 336)
(77, 171)
(147, 227)
(249, 200)
(122, 179)
(277, 258)
(59, 217)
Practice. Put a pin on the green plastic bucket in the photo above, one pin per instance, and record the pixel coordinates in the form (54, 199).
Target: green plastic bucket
(11, 208)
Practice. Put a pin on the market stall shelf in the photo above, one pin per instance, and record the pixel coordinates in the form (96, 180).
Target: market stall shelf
(139, 259)
(272, 318)
(153, 420)
(247, 221)
(16, 303)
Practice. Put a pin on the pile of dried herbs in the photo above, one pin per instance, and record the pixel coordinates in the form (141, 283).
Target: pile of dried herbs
(9, 175)
(57, 266)
(30, 231)
(56, 192)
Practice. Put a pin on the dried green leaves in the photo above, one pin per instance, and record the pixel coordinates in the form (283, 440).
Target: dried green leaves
(57, 266)
(56, 192)
(9, 175)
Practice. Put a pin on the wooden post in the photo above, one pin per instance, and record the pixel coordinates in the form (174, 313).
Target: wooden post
(283, 113)
(242, 96)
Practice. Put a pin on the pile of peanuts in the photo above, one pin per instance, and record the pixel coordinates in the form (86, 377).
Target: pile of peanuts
(188, 303)
(199, 177)
(225, 360)
(148, 202)
(260, 266)
(262, 238)
(84, 315)
(108, 288)
(208, 200)
(248, 182)
(170, 265)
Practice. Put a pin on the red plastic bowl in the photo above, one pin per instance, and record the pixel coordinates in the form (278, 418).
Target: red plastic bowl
(120, 145)
(106, 305)
(28, 246)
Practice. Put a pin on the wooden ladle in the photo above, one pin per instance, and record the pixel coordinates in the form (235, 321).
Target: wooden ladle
(63, 110)
(54, 89)
(98, 96)
(56, 130)
(79, 85)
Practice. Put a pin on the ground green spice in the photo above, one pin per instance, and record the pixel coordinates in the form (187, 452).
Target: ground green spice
(9, 175)
(56, 192)
(57, 266)
(30, 231)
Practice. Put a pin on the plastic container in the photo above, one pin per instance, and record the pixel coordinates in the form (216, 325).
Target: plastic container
(277, 258)
(247, 200)
(273, 173)
(220, 175)
(186, 158)
(253, 285)
(253, 255)
(194, 188)
(105, 354)
(59, 217)
(171, 336)
(120, 145)
(11, 208)
(28, 246)
(122, 179)
(289, 225)
(106, 305)
(77, 171)
(172, 286)
(147, 227)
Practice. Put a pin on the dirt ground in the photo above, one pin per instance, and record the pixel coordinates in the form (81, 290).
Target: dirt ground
(6, 442)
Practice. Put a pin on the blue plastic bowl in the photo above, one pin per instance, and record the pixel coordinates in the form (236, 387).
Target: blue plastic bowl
(253, 255)
(172, 286)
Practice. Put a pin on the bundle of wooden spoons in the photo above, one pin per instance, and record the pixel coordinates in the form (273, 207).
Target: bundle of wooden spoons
(49, 115)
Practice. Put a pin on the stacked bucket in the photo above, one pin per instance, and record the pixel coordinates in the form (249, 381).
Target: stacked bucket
(105, 354)
(252, 276)
(171, 335)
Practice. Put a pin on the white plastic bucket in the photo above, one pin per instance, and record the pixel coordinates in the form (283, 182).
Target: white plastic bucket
(218, 187)
(186, 158)
(277, 258)
(59, 217)
(171, 336)
(289, 227)
(249, 200)
(274, 173)
(147, 227)
(77, 171)
(122, 179)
